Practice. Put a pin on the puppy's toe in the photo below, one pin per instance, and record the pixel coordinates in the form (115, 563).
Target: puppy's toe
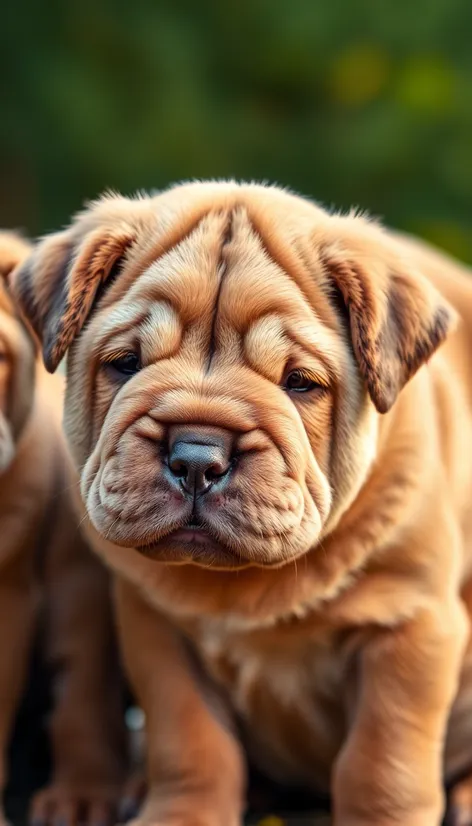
(66, 806)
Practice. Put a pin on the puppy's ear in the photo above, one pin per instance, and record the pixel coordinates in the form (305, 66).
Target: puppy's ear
(397, 318)
(57, 285)
(13, 250)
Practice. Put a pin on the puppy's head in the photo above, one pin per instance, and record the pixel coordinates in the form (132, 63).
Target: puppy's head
(230, 348)
(17, 355)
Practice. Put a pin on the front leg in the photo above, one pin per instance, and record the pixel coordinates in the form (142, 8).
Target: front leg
(195, 767)
(390, 771)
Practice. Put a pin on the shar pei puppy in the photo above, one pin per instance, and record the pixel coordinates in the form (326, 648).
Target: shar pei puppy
(270, 411)
(51, 586)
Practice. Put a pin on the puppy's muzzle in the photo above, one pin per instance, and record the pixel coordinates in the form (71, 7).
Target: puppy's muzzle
(197, 459)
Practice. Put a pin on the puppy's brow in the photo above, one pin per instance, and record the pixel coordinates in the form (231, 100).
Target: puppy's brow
(161, 332)
(266, 346)
(121, 322)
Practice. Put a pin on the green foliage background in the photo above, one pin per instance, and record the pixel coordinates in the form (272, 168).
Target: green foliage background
(365, 102)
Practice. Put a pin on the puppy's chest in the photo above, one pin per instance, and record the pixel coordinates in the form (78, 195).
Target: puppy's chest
(288, 689)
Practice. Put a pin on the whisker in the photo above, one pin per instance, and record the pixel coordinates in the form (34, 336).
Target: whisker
(82, 520)
(113, 525)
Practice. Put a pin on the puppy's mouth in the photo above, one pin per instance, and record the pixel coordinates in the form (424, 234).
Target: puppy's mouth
(193, 533)
(192, 543)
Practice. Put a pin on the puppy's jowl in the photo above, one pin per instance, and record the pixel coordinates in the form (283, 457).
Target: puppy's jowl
(270, 411)
(47, 571)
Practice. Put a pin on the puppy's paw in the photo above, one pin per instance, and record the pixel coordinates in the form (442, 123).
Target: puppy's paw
(185, 820)
(67, 805)
(182, 816)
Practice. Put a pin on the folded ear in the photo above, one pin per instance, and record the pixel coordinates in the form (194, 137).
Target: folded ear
(13, 250)
(397, 317)
(57, 285)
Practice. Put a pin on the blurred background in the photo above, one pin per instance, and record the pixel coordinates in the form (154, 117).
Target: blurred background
(366, 103)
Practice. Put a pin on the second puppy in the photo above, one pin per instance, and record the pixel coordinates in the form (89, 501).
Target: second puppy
(46, 566)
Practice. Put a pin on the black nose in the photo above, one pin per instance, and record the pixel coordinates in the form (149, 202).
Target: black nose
(198, 466)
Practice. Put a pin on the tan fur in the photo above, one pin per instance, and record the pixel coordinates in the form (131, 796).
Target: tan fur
(45, 567)
(325, 608)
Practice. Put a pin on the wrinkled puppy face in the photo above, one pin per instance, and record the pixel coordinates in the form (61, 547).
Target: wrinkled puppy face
(212, 421)
(17, 358)
(218, 398)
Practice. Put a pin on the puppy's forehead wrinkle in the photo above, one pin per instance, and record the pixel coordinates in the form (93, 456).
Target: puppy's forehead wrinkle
(266, 307)
(222, 269)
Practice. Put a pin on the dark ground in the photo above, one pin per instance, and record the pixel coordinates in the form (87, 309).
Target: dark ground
(29, 750)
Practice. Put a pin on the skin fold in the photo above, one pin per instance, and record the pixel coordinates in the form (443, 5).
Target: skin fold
(269, 409)
(48, 574)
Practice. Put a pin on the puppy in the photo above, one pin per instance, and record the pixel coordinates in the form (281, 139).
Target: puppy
(270, 409)
(45, 567)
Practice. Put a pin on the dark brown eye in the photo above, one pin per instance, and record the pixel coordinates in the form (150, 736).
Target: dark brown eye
(126, 365)
(298, 382)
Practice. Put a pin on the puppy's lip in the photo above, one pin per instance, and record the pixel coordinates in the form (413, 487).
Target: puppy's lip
(191, 543)
(193, 534)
